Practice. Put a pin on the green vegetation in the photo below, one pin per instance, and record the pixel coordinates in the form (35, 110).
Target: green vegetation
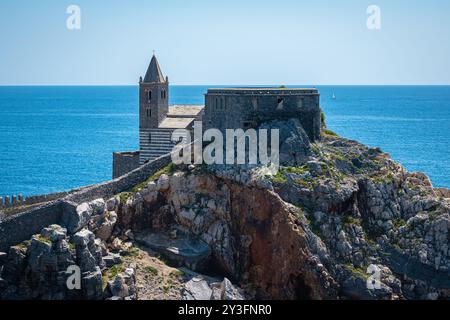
(303, 183)
(322, 119)
(349, 220)
(115, 270)
(358, 272)
(123, 196)
(279, 177)
(177, 273)
(329, 133)
(399, 223)
(166, 170)
(43, 239)
(23, 245)
(133, 252)
(296, 170)
(151, 270)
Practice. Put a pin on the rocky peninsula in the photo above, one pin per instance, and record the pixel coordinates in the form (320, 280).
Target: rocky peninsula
(310, 230)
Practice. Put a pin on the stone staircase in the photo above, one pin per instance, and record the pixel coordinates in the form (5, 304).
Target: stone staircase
(155, 143)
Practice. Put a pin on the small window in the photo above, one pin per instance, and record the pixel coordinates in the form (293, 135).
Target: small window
(247, 124)
(149, 112)
(149, 95)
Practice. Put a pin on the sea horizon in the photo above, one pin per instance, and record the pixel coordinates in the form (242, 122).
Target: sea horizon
(48, 145)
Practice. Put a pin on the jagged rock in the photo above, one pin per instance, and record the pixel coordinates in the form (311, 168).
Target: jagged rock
(106, 226)
(76, 217)
(197, 289)
(163, 183)
(229, 292)
(15, 264)
(112, 259)
(294, 146)
(91, 285)
(98, 206)
(112, 204)
(192, 253)
(200, 288)
(123, 286)
(442, 192)
(86, 251)
(54, 233)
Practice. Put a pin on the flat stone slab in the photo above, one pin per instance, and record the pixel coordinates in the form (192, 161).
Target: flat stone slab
(192, 253)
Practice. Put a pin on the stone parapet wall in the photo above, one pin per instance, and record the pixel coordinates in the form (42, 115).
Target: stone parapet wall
(124, 162)
(21, 226)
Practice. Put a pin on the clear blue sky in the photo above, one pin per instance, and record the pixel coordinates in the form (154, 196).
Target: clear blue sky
(225, 42)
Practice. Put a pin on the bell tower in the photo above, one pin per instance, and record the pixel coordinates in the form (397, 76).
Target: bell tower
(153, 97)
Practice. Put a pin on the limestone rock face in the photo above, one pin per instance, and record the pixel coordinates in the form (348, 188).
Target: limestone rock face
(199, 288)
(42, 267)
(314, 229)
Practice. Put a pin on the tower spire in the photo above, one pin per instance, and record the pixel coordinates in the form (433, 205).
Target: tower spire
(154, 73)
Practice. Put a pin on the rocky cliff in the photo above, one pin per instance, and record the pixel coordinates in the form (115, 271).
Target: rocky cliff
(339, 220)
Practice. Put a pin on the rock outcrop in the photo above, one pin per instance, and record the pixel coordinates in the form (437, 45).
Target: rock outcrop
(337, 220)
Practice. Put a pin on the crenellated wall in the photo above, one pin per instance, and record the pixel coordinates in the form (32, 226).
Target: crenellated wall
(20, 200)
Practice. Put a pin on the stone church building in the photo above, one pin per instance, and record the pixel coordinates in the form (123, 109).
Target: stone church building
(225, 108)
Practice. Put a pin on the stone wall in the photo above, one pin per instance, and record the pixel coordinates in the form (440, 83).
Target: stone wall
(19, 227)
(247, 108)
(124, 162)
(22, 226)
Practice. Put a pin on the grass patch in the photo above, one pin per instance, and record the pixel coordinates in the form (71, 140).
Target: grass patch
(166, 170)
(399, 223)
(358, 272)
(115, 270)
(349, 220)
(303, 183)
(279, 177)
(43, 239)
(124, 196)
(329, 132)
(133, 252)
(177, 274)
(151, 270)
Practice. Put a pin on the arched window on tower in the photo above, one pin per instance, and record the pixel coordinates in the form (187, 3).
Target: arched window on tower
(149, 95)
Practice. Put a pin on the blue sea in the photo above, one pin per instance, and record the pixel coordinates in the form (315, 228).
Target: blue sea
(58, 138)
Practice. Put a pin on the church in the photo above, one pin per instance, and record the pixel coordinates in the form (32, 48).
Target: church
(225, 108)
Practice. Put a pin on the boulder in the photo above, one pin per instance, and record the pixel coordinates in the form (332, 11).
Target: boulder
(112, 259)
(163, 183)
(105, 230)
(75, 217)
(197, 289)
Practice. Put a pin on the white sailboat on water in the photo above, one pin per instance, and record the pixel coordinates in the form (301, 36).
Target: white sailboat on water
(334, 96)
